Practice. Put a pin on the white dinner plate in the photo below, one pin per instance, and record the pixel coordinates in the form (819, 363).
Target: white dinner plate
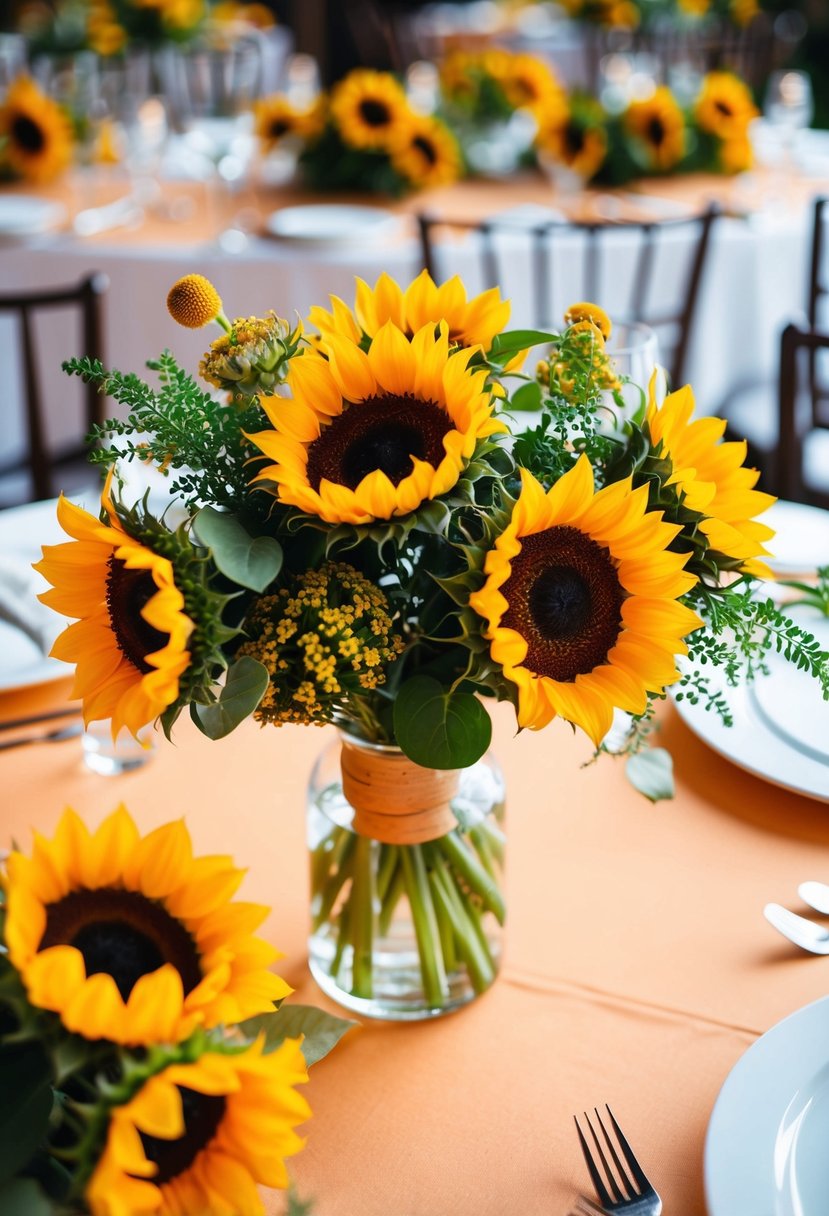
(765, 1152)
(23, 215)
(781, 722)
(326, 224)
(801, 543)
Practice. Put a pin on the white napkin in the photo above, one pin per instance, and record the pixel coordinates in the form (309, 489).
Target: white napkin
(20, 607)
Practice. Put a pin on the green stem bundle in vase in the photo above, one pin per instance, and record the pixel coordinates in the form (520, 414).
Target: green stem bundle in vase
(373, 539)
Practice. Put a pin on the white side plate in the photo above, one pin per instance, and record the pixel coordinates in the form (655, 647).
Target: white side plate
(327, 224)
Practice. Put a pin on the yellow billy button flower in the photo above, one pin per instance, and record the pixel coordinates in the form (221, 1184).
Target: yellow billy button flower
(198, 1138)
(373, 435)
(584, 311)
(194, 302)
(710, 479)
(581, 601)
(131, 938)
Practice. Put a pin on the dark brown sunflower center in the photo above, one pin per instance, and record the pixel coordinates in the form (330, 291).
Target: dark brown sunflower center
(573, 138)
(565, 599)
(123, 934)
(127, 592)
(426, 148)
(27, 134)
(279, 127)
(203, 1113)
(723, 107)
(380, 433)
(375, 113)
(656, 131)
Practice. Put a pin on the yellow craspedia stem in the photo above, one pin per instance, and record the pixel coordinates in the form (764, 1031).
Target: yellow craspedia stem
(193, 301)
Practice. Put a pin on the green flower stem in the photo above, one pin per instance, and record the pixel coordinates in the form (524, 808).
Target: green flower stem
(445, 927)
(478, 961)
(462, 859)
(362, 900)
(480, 843)
(386, 870)
(425, 923)
(396, 889)
(343, 936)
(496, 840)
(333, 885)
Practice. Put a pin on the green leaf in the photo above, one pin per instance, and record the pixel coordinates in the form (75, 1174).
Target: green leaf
(651, 772)
(250, 562)
(322, 1030)
(504, 346)
(527, 397)
(244, 688)
(25, 1080)
(23, 1197)
(438, 729)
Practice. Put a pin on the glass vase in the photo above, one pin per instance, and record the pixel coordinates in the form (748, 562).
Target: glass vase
(407, 863)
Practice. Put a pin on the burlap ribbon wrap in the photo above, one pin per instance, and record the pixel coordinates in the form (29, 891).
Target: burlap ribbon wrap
(395, 800)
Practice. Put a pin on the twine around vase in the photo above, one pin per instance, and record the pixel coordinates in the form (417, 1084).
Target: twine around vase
(395, 800)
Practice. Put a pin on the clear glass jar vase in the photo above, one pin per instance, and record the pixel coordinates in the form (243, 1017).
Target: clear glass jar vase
(407, 904)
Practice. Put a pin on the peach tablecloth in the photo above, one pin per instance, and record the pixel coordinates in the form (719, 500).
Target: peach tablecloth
(638, 969)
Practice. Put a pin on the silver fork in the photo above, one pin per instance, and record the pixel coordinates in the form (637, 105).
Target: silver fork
(629, 1189)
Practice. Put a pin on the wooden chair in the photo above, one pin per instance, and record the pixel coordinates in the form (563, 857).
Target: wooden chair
(803, 450)
(546, 239)
(42, 460)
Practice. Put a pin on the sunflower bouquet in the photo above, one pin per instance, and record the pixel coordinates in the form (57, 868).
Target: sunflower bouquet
(654, 135)
(371, 538)
(647, 14)
(143, 1061)
(363, 136)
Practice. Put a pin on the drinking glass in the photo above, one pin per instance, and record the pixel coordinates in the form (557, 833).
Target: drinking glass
(12, 59)
(788, 108)
(634, 350)
(111, 757)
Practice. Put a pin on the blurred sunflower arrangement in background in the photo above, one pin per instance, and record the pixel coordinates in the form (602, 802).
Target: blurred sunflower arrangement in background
(128, 974)
(36, 135)
(633, 14)
(364, 136)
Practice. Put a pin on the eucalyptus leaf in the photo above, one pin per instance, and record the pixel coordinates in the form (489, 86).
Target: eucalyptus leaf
(244, 688)
(23, 1197)
(252, 562)
(25, 1081)
(527, 397)
(504, 346)
(651, 772)
(322, 1030)
(438, 729)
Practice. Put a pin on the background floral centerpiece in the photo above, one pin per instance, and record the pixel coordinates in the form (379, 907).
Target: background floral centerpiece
(363, 136)
(372, 539)
(36, 134)
(145, 1065)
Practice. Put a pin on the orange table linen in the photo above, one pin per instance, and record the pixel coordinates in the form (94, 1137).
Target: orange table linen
(638, 967)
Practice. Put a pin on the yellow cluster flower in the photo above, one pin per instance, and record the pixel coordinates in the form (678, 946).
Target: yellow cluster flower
(252, 357)
(579, 364)
(325, 639)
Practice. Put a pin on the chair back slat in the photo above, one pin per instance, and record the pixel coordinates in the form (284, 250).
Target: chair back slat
(790, 481)
(85, 299)
(545, 243)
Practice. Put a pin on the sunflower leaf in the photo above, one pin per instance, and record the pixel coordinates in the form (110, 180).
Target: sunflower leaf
(252, 562)
(244, 688)
(651, 772)
(23, 1197)
(527, 397)
(504, 346)
(322, 1031)
(25, 1073)
(440, 729)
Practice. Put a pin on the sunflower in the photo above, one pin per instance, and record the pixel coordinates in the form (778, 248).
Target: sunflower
(133, 939)
(428, 154)
(276, 118)
(130, 641)
(370, 109)
(658, 127)
(578, 146)
(581, 601)
(472, 322)
(198, 1137)
(709, 480)
(35, 133)
(736, 154)
(370, 436)
(529, 83)
(724, 107)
